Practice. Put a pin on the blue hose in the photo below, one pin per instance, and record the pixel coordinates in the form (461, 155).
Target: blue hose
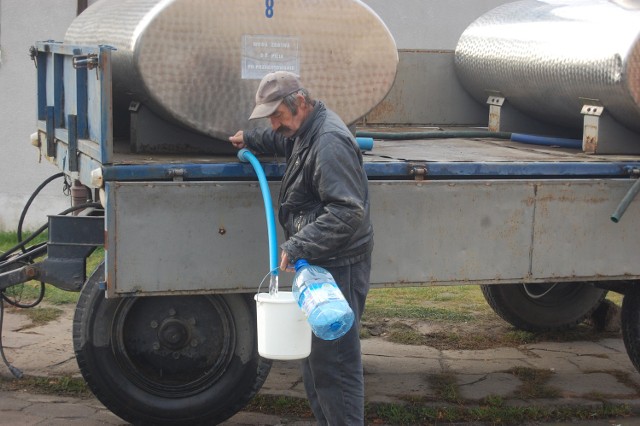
(365, 144)
(439, 134)
(245, 156)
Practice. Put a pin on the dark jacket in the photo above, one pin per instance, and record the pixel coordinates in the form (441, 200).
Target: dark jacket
(324, 197)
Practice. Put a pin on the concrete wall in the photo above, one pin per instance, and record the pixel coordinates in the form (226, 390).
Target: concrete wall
(22, 22)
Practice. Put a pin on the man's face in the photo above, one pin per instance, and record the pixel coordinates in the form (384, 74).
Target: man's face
(286, 123)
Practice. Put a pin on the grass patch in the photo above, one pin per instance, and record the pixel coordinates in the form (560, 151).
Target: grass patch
(418, 413)
(62, 385)
(622, 377)
(494, 401)
(463, 303)
(445, 387)
(520, 337)
(280, 405)
(425, 411)
(456, 317)
(534, 383)
(28, 292)
(405, 334)
(10, 239)
(415, 312)
(41, 315)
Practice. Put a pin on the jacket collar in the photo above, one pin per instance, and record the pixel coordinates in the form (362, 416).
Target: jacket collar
(308, 123)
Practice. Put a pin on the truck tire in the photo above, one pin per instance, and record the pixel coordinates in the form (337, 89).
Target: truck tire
(168, 359)
(630, 319)
(543, 307)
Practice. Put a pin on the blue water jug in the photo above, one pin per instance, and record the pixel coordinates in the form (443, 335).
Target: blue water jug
(322, 302)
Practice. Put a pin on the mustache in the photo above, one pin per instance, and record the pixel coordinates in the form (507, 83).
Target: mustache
(283, 129)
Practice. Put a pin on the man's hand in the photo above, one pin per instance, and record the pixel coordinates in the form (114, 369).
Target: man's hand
(237, 140)
(284, 262)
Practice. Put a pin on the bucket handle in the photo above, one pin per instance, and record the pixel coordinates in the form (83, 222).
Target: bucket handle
(265, 277)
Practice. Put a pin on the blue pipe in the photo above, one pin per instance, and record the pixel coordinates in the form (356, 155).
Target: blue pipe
(439, 134)
(365, 144)
(245, 155)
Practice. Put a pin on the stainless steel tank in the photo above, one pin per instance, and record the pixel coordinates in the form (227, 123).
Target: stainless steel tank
(198, 62)
(544, 56)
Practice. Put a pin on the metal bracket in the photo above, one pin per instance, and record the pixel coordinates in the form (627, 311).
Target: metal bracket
(504, 117)
(51, 134)
(71, 240)
(134, 106)
(89, 61)
(495, 105)
(602, 134)
(419, 172)
(73, 142)
(177, 174)
(33, 54)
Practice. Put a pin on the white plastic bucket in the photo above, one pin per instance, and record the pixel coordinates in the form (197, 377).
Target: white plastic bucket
(283, 330)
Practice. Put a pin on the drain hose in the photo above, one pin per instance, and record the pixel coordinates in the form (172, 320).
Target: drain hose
(626, 200)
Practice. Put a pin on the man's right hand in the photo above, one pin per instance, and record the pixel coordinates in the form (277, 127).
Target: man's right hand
(237, 140)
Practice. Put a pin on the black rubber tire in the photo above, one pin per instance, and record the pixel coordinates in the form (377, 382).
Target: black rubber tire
(630, 320)
(543, 307)
(168, 359)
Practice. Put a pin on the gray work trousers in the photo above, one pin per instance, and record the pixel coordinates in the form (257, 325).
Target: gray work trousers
(332, 374)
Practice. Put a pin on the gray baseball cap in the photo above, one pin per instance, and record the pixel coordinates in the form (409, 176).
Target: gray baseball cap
(272, 89)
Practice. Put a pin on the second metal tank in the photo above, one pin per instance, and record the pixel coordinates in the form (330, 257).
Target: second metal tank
(547, 56)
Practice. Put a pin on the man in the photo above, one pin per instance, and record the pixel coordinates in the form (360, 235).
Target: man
(324, 211)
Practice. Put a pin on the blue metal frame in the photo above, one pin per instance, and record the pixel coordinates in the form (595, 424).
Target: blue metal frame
(381, 170)
(54, 115)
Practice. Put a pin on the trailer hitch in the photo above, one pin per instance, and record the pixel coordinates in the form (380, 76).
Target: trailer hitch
(71, 240)
(14, 273)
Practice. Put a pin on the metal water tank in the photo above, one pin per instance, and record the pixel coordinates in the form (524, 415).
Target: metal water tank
(198, 62)
(547, 56)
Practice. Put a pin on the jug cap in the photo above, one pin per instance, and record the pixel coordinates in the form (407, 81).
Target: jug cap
(300, 263)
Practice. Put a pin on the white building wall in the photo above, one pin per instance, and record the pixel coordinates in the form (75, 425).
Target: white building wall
(23, 22)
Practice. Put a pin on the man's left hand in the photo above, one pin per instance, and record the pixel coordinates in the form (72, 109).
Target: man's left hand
(237, 140)
(284, 262)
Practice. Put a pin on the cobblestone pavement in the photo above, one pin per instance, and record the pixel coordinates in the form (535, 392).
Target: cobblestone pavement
(585, 373)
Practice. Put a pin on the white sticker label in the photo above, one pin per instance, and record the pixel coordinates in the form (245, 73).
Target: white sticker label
(264, 54)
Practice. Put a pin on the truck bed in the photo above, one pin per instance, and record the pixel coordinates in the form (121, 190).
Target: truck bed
(444, 158)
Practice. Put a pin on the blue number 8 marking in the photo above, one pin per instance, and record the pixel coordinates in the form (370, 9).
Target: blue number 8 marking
(269, 10)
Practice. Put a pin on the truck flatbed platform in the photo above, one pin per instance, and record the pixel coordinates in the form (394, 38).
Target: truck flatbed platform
(457, 157)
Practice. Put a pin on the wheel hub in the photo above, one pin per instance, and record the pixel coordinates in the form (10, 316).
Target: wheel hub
(174, 334)
(171, 345)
